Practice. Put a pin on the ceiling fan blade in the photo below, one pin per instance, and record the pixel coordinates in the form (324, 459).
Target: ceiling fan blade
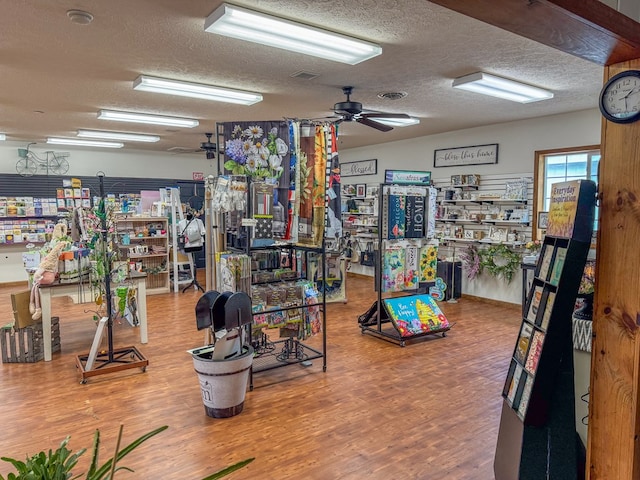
(384, 115)
(374, 124)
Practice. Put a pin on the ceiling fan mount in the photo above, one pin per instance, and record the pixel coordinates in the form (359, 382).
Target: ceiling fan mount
(351, 111)
(209, 147)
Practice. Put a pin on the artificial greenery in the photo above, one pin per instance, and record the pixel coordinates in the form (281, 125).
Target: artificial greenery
(58, 464)
(506, 267)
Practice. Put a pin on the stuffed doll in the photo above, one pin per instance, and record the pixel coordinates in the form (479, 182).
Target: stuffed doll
(47, 270)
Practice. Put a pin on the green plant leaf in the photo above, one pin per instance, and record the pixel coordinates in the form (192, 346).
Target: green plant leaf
(230, 469)
(100, 473)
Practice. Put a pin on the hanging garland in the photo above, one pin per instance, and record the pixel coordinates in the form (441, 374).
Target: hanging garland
(506, 267)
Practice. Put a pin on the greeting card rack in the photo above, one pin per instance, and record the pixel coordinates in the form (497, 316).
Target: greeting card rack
(405, 265)
(537, 427)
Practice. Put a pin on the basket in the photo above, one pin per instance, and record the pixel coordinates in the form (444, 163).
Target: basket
(22, 152)
(26, 345)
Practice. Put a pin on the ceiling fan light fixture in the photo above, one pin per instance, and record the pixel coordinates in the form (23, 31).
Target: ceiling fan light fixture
(501, 87)
(131, 137)
(244, 24)
(83, 143)
(195, 90)
(147, 119)
(398, 122)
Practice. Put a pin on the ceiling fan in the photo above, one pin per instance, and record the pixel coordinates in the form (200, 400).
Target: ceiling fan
(350, 111)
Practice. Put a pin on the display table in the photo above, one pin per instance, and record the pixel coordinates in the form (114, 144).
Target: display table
(81, 293)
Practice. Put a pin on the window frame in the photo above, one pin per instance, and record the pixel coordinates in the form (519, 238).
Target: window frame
(539, 179)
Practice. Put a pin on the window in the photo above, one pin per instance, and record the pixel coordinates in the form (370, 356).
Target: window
(553, 166)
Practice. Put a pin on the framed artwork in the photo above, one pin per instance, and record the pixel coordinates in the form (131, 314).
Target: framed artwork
(474, 155)
(361, 167)
(543, 220)
(361, 190)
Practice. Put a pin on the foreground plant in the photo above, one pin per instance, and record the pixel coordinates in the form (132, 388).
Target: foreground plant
(58, 464)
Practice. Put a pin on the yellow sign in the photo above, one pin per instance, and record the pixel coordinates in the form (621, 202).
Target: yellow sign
(564, 205)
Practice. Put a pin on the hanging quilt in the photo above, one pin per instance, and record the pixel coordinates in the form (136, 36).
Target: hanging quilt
(261, 150)
(333, 204)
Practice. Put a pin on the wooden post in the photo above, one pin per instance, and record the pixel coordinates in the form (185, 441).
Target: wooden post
(591, 30)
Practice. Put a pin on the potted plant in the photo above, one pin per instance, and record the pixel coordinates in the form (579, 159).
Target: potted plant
(59, 464)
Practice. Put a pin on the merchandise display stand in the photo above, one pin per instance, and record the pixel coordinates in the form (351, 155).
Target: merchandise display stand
(537, 429)
(411, 313)
(113, 360)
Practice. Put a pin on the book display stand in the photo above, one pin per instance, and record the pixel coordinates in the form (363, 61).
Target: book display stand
(404, 267)
(537, 434)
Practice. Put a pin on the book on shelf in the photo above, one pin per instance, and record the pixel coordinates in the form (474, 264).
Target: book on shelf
(535, 349)
(526, 395)
(523, 342)
(513, 385)
(534, 305)
(548, 308)
(558, 264)
(545, 263)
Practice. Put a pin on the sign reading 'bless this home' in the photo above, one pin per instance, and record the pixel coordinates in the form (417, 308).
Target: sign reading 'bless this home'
(474, 155)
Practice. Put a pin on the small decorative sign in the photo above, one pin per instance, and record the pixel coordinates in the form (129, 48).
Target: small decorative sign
(474, 155)
(361, 167)
(198, 176)
(407, 176)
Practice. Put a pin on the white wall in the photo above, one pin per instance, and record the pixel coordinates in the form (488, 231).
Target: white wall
(517, 143)
(115, 162)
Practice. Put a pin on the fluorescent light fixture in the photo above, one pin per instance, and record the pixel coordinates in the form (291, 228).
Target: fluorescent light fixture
(397, 122)
(195, 90)
(3, 137)
(132, 137)
(487, 84)
(83, 143)
(147, 118)
(257, 27)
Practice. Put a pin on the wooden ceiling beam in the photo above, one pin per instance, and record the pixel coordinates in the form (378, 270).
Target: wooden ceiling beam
(587, 29)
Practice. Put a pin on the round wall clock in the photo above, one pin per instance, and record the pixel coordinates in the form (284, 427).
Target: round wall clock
(620, 97)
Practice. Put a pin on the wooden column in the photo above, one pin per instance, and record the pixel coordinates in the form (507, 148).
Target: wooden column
(591, 30)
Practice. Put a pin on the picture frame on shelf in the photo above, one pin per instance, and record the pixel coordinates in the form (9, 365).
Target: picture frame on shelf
(361, 190)
(543, 220)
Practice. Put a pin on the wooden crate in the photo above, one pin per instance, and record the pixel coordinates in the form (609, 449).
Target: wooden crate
(26, 345)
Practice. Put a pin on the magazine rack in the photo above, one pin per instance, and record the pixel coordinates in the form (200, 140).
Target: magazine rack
(537, 428)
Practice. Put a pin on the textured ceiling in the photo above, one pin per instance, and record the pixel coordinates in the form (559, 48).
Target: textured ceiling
(55, 75)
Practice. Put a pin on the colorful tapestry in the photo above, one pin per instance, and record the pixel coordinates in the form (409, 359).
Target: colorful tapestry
(333, 207)
(294, 179)
(428, 263)
(306, 161)
(415, 315)
(319, 185)
(261, 150)
(393, 269)
(411, 270)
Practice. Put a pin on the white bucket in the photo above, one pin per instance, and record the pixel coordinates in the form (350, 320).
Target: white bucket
(223, 383)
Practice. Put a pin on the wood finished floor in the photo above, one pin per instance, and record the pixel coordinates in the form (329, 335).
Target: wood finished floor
(429, 410)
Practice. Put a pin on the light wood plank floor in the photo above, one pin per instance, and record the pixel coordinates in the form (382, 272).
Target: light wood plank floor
(429, 410)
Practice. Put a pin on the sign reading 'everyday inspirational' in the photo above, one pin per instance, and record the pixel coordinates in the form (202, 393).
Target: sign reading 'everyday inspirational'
(474, 155)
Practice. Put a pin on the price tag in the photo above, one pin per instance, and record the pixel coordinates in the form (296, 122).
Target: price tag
(249, 222)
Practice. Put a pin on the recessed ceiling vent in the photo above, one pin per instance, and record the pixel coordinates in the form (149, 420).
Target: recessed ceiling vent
(392, 95)
(304, 75)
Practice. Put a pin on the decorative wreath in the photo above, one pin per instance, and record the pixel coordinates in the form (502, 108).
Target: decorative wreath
(471, 260)
(506, 268)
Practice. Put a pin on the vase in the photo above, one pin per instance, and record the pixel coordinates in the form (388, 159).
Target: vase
(223, 383)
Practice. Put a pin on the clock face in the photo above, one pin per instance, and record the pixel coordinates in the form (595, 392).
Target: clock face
(620, 97)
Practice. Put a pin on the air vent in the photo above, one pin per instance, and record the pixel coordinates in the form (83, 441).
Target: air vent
(392, 95)
(305, 75)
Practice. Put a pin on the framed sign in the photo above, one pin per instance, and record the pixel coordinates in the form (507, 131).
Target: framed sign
(361, 190)
(407, 176)
(361, 167)
(474, 155)
(543, 220)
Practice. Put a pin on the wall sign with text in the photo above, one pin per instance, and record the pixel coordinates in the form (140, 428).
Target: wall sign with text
(474, 155)
(361, 167)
